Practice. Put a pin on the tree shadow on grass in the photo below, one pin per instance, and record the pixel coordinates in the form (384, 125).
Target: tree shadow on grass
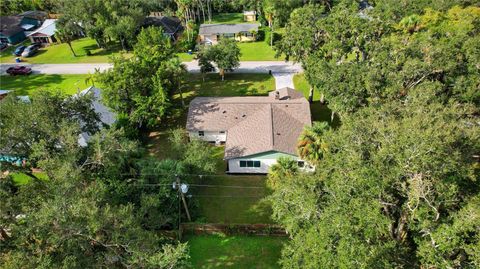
(26, 85)
(95, 50)
(321, 112)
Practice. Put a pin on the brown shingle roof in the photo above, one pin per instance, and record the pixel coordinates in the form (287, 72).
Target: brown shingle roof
(253, 124)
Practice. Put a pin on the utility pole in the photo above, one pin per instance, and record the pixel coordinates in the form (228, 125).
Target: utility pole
(182, 189)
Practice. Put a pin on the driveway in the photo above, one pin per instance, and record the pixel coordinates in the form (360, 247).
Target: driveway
(245, 67)
(283, 80)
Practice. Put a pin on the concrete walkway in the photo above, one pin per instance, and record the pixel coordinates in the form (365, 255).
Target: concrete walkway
(283, 80)
(245, 67)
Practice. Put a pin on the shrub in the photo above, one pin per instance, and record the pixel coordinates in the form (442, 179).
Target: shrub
(261, 35)
(268, 35)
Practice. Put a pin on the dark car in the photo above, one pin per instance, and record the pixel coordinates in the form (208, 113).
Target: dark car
(30, 50)
(19, 70)
(18, 50)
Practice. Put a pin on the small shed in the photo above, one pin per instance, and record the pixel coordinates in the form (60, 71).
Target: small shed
(45, 34)
(250, 15)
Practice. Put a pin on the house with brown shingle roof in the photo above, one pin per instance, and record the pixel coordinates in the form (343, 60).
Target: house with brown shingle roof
(256, 130)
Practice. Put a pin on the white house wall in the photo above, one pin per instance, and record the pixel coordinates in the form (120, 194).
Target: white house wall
(234, 166)
(210, 136)
(266, 159)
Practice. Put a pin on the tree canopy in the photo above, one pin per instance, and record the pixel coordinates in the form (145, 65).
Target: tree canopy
(140, 87)
(396, 184)
(93, 209)
(225, 55)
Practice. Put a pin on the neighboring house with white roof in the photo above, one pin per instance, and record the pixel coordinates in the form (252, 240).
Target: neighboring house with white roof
(256, 130)
(107, 117)
(45, 34)
(212, 33)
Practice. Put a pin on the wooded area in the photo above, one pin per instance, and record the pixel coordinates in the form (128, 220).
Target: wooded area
(396, 181)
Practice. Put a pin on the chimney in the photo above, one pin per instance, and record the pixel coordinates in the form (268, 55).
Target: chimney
(277, 95)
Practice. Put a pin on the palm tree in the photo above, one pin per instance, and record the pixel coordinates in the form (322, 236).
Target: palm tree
(67, 31)
(284, 168)
(65, 37)
(311, 146)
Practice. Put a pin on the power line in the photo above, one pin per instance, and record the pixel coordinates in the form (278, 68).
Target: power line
(202, 185)
(195, 175)
(228, 196)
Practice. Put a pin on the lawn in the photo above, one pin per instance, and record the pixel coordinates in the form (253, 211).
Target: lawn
(232, 199)
(229, 18)
(234, 85)
(25, 85)
(212, 251)
(257, 51)
(60, 53)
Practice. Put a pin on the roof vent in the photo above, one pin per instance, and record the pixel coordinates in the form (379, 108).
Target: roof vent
(277, 95)
(286, 105)
(243, 116)
(224, 112)
(278, 133)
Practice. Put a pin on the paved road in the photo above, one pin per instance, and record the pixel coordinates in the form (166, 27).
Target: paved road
(245, 67)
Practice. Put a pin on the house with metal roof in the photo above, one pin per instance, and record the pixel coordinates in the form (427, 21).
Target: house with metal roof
(13, 29)
(212, 33)
(45, 34)
(107, 116)
(256, 130)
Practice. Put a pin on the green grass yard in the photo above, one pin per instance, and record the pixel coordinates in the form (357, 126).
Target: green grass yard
(235, 252)
(228, 18)
(234, 199)
(26, 85)
(257, 51)
(61, 53)
(233, 85)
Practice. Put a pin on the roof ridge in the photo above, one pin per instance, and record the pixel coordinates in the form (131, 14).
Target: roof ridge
(271, 127)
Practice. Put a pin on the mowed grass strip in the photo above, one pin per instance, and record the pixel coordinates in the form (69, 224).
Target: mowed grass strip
(215, 251)
(26, 85)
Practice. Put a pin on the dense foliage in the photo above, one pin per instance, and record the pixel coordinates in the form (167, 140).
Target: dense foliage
(396, 185)
(225, 55)
(94, 209)
(140, 87)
